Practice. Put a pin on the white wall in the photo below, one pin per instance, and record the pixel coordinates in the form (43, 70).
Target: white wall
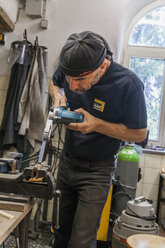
(11, 8)
(148, 186)
(107, 17)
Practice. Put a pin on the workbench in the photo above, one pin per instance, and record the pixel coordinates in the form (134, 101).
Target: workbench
(20, 223)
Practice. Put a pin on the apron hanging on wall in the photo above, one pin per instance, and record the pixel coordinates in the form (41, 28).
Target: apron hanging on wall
(26, 97)
(32, 106)
(20, 57)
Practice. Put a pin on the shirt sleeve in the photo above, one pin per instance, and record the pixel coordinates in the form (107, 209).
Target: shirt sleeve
(134, 110)
(58, 77)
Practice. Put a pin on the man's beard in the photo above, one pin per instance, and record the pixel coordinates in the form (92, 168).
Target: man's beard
(82, 90)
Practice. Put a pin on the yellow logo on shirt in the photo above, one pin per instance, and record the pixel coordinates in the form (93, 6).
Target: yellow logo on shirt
(98, 105)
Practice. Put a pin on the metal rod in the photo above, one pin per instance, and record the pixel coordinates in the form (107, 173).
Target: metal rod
(40, 159)
(58, 195)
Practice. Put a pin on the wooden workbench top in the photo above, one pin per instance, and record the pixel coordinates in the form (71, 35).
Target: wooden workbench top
(7, 226)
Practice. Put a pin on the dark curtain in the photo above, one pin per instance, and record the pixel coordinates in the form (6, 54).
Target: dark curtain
(9, 126)
(20, 56)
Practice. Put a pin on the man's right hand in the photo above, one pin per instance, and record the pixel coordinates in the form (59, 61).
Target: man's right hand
(59, 100)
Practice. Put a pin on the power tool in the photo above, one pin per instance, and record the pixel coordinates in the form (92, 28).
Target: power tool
(57, 115)
(62, 116)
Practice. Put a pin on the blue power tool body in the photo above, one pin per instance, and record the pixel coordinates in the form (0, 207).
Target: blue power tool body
(64, 116)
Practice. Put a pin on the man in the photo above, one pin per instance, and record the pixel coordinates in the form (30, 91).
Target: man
(111, 99)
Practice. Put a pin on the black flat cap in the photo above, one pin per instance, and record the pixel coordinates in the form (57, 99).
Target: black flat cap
(83, 53)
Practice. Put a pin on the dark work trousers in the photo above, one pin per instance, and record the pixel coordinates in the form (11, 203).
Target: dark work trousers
(84, 189)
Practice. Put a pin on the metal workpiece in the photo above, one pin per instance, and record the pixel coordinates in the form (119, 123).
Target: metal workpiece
(52, 113)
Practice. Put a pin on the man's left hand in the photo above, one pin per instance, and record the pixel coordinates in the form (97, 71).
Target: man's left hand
(85, 127)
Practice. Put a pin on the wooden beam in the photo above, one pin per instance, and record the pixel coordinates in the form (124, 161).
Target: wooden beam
(14, 197)
(13, 206)
(5, 22)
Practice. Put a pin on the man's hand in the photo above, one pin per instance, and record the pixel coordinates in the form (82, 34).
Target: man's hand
(113, 130)
(58, 99)
(85, 127)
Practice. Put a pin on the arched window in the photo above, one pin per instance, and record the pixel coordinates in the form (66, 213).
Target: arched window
(145, 55)
(150, 29)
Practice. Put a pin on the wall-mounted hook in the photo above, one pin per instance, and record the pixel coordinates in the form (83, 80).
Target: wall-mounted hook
(25, 35)
(36, 41)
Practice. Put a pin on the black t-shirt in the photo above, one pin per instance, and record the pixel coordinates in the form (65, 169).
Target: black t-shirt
(117, 98)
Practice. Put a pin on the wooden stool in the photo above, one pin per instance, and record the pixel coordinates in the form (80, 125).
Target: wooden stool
(146, 241)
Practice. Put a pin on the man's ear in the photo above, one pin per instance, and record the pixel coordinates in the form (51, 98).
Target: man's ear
(104, 65)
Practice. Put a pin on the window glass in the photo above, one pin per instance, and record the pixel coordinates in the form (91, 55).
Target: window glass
(150, 30)
(151, 72)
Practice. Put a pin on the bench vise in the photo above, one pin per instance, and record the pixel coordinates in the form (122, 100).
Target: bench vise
(11, 163)
(38, 181)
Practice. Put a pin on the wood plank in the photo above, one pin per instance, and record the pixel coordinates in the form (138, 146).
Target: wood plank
(7, 226)
(14, 206)
(14, 197)
(6, 215)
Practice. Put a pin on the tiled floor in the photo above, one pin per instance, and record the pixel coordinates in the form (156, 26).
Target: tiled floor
(44, 241)
(161, 231)
(41, 242)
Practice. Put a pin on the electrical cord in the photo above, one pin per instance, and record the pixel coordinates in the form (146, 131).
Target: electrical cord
(123, 188)
(119, 194)
(29, 159)
(151, 218)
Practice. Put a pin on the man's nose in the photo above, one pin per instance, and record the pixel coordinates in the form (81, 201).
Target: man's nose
(74, 85)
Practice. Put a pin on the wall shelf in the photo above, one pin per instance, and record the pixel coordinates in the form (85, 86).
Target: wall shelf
(5, 22)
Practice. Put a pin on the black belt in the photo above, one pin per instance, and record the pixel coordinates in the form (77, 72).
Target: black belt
(95, 163)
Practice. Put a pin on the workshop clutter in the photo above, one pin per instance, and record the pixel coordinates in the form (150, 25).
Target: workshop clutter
(11, 163)
(138, 218)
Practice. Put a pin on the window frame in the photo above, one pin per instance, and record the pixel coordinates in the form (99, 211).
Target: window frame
(147, 52)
